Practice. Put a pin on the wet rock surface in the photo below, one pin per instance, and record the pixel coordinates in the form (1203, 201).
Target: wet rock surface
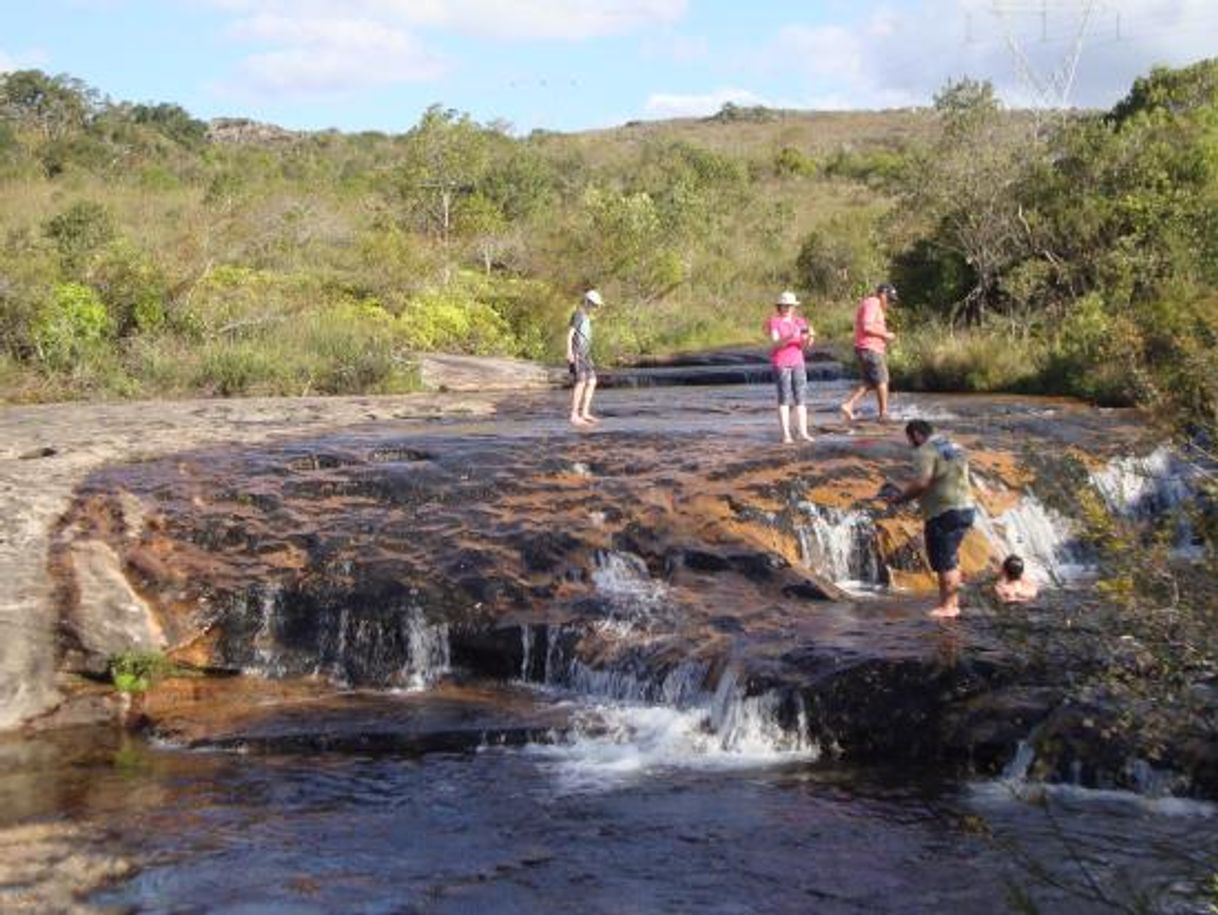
(672, 555)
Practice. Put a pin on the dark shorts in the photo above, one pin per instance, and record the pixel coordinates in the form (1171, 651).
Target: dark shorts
(582, 368)
(792, 384)
(944, 534)
(873, 367)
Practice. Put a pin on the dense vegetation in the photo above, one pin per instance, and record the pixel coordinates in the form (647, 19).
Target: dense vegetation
(144, 254)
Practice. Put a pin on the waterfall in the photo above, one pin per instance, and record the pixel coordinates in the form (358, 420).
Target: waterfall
(623, 578)
(1151, 487)
(267, 660)
(839, 544)
(630, 724)
(1148, 486)
(1045, 539)
(428, 657)
(1021, 763)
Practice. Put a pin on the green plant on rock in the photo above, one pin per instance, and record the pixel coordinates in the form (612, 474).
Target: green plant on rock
(137, 671)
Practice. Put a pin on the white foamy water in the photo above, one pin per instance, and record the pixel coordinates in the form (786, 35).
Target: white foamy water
(625, 580)
(429, 656)
(622, 736)
(839, 544)
(1041, 536)
(1075, 797)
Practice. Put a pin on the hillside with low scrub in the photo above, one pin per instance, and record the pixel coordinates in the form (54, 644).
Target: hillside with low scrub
(144, 253)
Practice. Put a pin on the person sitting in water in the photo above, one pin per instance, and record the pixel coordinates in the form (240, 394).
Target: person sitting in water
(1013, 586)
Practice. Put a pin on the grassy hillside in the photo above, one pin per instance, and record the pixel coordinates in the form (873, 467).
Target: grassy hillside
(144, 253)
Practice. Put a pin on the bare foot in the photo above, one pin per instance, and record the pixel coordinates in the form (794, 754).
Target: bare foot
(579, 421)
(788, 441)
(846, 412)
(943, 613)
(806, 437)
(883, 418)
(590, 419)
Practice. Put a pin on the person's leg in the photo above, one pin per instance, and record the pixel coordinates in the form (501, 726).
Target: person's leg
(586, 409)
(949, 594)
(851, 402)
(577, 399)
(944, 534)
(881, 384)
(800, 379)
(783, 386)
(784, 422)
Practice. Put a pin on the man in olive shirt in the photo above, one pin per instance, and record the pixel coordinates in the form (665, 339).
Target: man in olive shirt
(942, 487)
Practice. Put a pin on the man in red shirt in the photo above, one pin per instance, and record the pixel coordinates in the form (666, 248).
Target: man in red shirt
(871, 339)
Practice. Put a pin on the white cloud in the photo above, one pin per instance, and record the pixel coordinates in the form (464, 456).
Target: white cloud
(306, 47)
(570, 20)
(317, 56)
(903, 56)
(23, 60)
(664, 105)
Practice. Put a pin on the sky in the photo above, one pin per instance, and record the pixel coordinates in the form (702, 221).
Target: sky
(579, 64)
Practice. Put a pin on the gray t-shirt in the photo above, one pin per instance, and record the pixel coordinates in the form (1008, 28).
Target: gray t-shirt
(581, 323)
(946, 463)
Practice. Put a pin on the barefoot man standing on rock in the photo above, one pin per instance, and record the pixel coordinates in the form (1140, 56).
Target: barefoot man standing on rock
(941, 484)
(579, 359)
(871, 339)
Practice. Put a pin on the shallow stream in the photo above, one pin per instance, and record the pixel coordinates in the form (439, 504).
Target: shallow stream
(601, 804)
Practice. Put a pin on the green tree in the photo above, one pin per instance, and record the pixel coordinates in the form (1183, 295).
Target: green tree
(52, 105)
(964, 188)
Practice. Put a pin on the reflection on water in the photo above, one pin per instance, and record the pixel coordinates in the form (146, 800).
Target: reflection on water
(504, 830)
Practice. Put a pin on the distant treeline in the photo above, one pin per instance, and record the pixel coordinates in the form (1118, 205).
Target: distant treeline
(146, 253)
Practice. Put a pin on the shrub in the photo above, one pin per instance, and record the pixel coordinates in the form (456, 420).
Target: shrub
(72, 326)
(242, 367)
(132, 286)
(453, 320)
(937, 359)
(78, 231)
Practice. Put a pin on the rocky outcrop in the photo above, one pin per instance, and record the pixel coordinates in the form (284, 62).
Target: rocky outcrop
(665, 564)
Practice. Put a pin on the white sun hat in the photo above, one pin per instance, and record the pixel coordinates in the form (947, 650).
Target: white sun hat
(592, 297)
(787, 298)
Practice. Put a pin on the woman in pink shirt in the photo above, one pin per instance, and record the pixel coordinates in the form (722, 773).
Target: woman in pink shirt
(789, 334)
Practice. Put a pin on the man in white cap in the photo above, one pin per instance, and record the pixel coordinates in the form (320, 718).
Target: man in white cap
(789, 334)
(579, 359)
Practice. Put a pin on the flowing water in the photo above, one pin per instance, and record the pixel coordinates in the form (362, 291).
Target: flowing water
(636, 810)
(669, 790)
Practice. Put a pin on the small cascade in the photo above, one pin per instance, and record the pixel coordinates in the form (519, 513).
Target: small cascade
(1021, 763)
(266, 659)
(633, 600)
(286, 634)
(1045, 539)
(1146, 487)
(753, 725)
(429, 656)
(625, 580)
(633, 723)
(839, 544)
(1154, 486)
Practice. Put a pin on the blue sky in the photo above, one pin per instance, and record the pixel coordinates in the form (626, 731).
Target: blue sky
(575, 64)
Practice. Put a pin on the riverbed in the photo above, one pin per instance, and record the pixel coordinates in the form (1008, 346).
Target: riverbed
(421, 783)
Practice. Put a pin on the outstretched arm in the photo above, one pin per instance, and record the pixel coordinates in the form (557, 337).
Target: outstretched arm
(913, 489)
